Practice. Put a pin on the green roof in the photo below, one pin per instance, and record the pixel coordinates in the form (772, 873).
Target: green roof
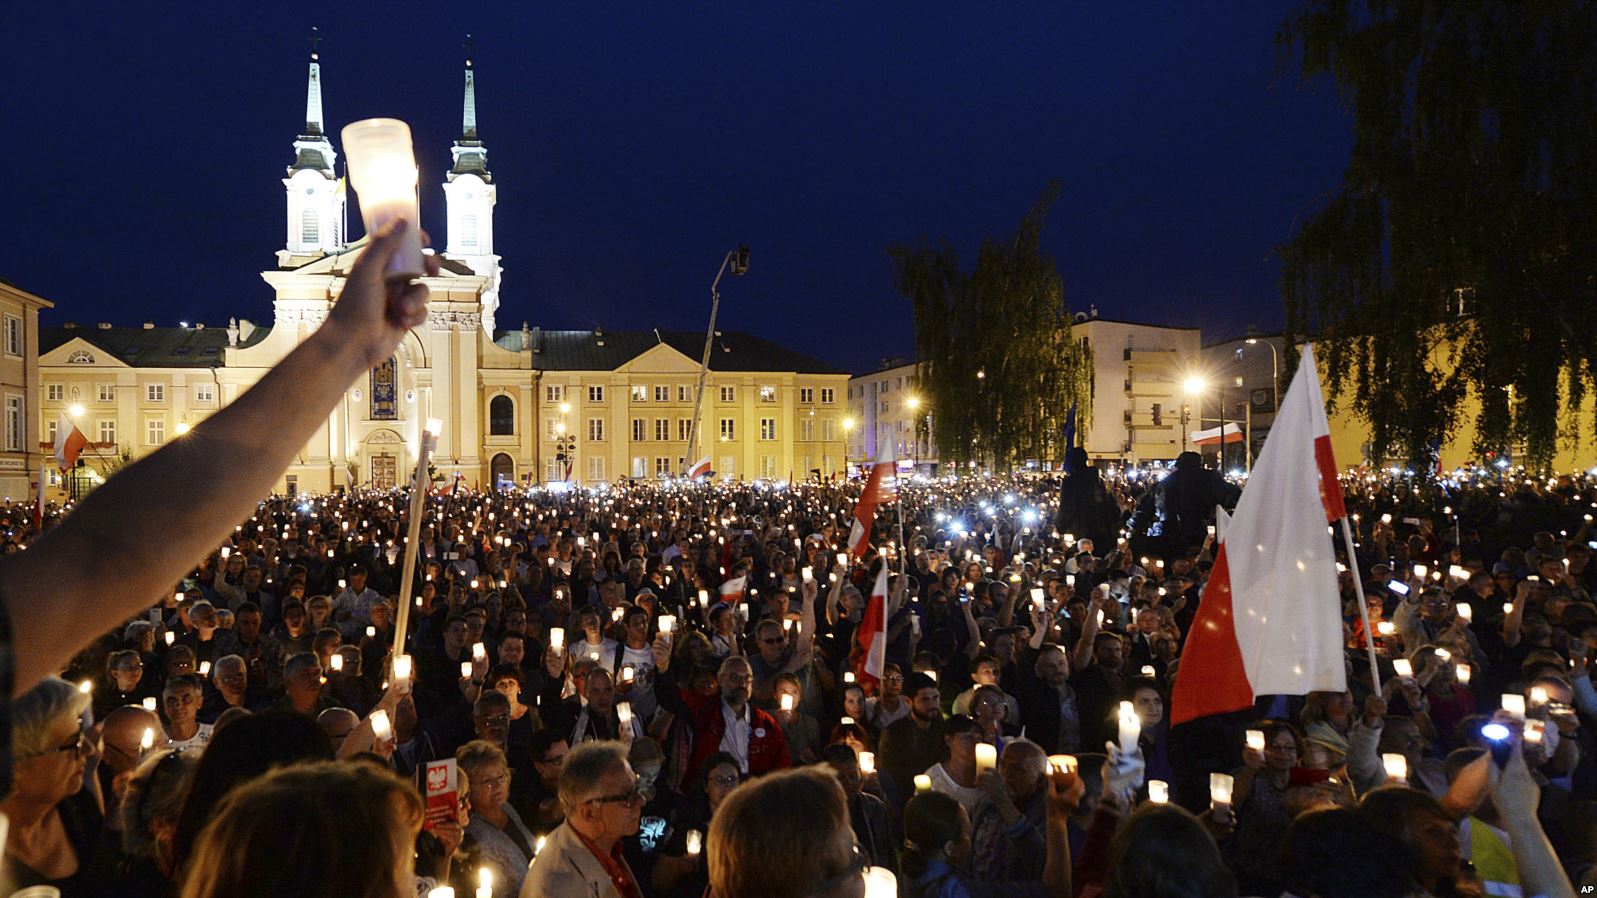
(607, 350)
(154, 347)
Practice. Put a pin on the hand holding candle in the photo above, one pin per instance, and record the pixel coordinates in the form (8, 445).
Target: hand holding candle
(1396, 767)
(1130, 728)
(382, 169)
(1220, 795)
(986, 757)
(1158, 791)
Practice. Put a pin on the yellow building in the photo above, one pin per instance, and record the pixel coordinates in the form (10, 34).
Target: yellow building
(21, 458)
(527, 406)
(886, 410)
(1140, 374)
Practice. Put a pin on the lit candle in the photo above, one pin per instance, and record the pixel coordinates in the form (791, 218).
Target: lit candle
(336, 662)
(149, 704)
(668, 623)
(932, 674)
(401, 668)
(371, 632)
(1386, 628)
(1255, 739)
(465, 670)
(86, 687)
(1515, 705)
(1158, 791)
(1396, 766)
(1062, 763)
(1464, 611)
(1402, 667)
(1461, 672)
(1444, 654)
(880, 882)
(1508, 607)
(628, 673)
(1458, 572)
(848, 676)
(1538, 696)
(1219, 789)
(557, 638)
(923, 783)
(485, 883)
(1421, 570)
(809, 574)
(1130, 728)
(695, 842)
(624, 713)
(867, 763)
(1534, 730)
(1148, 671)
(382, 169)
(986, 757)
(786, 703)
(170, 637)
(704, 598)
(381, 728)
(442, 892)
(147, 740)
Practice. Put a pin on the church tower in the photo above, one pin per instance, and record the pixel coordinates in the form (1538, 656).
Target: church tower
(470, 194)
(315, 194)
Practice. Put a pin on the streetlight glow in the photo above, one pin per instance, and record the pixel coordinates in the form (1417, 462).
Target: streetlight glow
(913, 402)
(1194, 384)
(565, 407)
(848, 424)
(75, 411)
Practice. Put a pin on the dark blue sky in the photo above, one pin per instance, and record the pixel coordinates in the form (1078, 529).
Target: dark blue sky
(633, 144)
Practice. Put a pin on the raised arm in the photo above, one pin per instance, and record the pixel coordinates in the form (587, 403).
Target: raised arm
(132, 538)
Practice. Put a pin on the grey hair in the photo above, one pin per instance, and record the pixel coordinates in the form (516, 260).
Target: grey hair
(478, 755)
(35, 712)
(156, 792)
(136, 630)
(585, 765)
(1037, 756)
(230, 661)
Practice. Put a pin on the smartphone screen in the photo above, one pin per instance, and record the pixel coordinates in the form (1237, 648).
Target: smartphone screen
(1398, 586)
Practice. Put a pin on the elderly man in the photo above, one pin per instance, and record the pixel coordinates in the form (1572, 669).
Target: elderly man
(123, 739)
(181, 701)
(726, 721)
(600, 796)
(302, 686)
(230, 676)
(1011, 817)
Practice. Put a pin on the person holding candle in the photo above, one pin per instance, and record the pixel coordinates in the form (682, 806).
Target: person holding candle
(956, 774)
(726, 720)
(802, 731)
(1008, 827)
(867, 811)
(602, 803)
(680, 872)
(1258, 803)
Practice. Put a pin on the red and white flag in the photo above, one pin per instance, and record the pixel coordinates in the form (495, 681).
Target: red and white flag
(872, 636)
(879, 488)
(700, 468)
(69, 442)
(733, 589)
(1270, 620)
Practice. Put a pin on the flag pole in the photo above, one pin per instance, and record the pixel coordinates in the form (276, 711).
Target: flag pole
(418, 498)
(1364, 611)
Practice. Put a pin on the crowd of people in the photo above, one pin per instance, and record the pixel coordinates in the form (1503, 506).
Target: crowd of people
(620, 672)
(663, 689)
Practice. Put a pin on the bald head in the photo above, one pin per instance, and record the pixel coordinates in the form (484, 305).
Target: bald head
(336, 723)
(124, 732)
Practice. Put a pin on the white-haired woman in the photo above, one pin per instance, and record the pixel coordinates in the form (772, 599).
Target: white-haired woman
(55, 818)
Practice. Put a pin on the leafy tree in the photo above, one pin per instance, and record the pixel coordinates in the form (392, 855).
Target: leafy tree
(1459, 255)
(998, 366)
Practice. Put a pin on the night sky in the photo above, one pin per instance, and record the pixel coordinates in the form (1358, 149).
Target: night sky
(634, 144)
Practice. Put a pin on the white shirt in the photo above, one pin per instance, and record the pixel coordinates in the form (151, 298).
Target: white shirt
(735, 741)
(942, 782)
(195, 744)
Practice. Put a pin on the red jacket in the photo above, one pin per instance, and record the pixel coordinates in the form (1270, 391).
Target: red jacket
(767, 744)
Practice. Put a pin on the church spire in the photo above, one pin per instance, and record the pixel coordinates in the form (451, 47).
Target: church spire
(469, 153)
(312, 150)
(316, 200)
(313, 90)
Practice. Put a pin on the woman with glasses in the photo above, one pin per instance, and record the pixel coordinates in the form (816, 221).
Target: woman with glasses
(54, 812)
(503, 840)
(1259, 797)
(680, 873)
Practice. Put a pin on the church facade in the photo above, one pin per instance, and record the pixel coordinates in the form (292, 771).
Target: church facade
(528, 406)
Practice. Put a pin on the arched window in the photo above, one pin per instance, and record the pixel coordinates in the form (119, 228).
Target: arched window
(501, 416)
(503, 471)
(309, 227)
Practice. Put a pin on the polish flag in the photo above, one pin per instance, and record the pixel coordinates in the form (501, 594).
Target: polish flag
(1270, 620)
(733, 589)
(877, 490)
(872, 636)
(700, 468)
(69, 442)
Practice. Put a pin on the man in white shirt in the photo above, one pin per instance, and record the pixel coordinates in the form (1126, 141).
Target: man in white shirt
(181, 700)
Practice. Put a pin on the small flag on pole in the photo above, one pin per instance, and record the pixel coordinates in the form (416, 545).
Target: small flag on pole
(873, 635)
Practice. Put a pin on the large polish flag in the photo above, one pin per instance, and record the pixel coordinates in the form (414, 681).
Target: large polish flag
(69, 442)
(872, 635)
(1270, 620)
(877, 491)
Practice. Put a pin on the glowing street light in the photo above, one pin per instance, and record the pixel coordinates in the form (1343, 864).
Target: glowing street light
(848, 424)
(1194, 384)
(76, 411)
(912, 403)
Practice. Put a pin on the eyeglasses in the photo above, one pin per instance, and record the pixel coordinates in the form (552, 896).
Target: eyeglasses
(635, 794)
(77, 748)
(496, 780)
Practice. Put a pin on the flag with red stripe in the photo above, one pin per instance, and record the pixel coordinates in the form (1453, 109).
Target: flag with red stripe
(872, 635)
(1270, 619)
(69, 442)
(876, 492)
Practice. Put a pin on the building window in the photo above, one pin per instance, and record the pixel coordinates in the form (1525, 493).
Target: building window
(828, 395)
(662, 429)
(640, 466)
(637, 432)
(826, 464)
(53, 392)
(595, 468)
(728, 466)
(684, 393)
(309, 227)
(468, 230)
(553, 428)
(13, 423)
(501, 416)
(806, 429)
(807, 395)
(384, 399)
(205, 393)
(155, 392)
(729, 430)
(767, 393)
(828, 430)
(50, 431)
(640, 393)
(154, 431)
(684, 429)
(768, 467)
(554, 470)
(767, 428)
(662, 466)
(595, 430)
(553, 393)
(107, 392)
(596, 394)
(107, 431)
(662, 394)
(729, 394)
(13, 335)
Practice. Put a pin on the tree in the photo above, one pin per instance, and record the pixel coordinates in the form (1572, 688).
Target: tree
(996, 359)
(1459, 255)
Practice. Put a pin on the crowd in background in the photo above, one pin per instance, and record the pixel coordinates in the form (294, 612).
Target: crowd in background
(652, 689)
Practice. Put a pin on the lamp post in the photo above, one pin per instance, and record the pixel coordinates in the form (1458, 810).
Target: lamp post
(1192, 386)
(1252, 339)
(738, 261)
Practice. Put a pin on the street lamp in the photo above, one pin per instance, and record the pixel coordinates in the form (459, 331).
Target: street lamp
(75, 411)
(1252, 339)
(1192, 386)
(737, 260)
